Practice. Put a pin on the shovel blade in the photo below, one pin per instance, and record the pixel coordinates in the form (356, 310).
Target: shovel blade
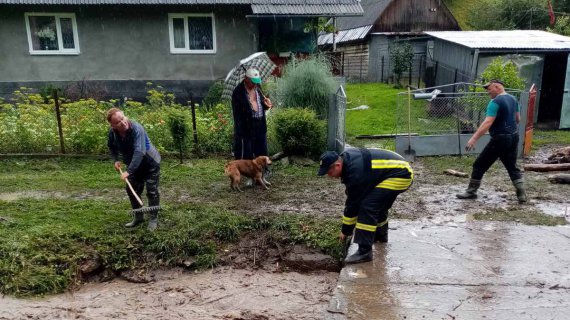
(410, 155)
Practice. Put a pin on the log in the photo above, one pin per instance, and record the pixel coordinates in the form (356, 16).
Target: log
(456, 173)
(559, 178)
(547, 167)
(561, 155)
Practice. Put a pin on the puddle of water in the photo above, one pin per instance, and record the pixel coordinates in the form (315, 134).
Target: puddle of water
(554, 209)
(14, 196)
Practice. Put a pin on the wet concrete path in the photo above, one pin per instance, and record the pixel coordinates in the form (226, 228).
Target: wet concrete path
(474, 270)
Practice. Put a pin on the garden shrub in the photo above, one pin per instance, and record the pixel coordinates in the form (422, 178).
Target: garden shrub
(215, 129)
(178, 125)
(28, 125)
(300, 132)
(507, 71)
(214, 95)
(306, 84)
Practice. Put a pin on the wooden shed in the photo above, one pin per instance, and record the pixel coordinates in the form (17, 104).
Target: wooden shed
(364, 41)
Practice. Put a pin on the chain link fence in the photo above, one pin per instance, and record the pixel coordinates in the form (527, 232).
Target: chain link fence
(336, 133)
(449, 111)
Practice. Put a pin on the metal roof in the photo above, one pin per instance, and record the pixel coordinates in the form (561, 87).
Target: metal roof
(345, 35)
(259, 7)
(507, 39)
(341, 9)
(372, 11)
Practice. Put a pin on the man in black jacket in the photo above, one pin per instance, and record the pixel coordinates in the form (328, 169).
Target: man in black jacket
(250, 127)
(373, 178)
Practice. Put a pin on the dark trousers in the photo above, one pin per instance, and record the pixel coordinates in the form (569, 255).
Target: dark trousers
(149, 177)
(503, 147)
(373, 210)
(255, 145)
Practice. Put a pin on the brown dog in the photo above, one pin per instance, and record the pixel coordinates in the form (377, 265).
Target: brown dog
(250, 168)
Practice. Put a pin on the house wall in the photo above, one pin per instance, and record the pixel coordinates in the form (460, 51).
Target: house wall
(123, 47)
(415, 16)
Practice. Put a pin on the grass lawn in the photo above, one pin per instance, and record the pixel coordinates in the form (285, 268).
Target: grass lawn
(58, 213)
(380, 118)
(460, 10)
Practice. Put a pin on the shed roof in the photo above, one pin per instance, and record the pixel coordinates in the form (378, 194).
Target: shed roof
(507, 39)
(259, 7)
(372, 10)
(344, 35)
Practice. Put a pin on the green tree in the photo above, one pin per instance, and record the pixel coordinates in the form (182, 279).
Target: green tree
(562, 26)
(507, 71)
(509, 14)
(401, 55)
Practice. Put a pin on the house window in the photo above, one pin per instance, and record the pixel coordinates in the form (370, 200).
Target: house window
(192, 33)
(52, 33)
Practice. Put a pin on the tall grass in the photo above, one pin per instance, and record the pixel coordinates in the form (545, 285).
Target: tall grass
(306, 84)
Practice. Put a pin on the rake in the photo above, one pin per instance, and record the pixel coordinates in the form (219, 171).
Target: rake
(143, 209)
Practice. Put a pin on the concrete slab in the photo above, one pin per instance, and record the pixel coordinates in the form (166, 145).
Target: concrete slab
(475, 270)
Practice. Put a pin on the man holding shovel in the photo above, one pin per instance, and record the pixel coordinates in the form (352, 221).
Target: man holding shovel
(373, 178)
(503, 116)
(129, 139)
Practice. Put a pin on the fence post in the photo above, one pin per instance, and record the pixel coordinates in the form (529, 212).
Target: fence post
(59, 128)
(435, 72)
(332, 123)
(420, 70)
(455, 80)
(194, 130)
(410, 74)
(382, 74)
(361, 62)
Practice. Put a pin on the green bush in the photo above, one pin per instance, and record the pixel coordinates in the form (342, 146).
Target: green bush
(507, 71)
(215, 129)
(306, 84)
(299, 132)
(178, 125)
(214, 95)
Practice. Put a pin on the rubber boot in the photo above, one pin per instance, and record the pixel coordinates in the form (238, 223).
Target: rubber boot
(471, 192)
(363, 254)
(137, 219)
(381, 234)
(521, 193)
(153, 220)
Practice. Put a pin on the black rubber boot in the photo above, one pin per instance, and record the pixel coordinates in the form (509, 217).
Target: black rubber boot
(471, 192)
(382, 233)
(137, 219)
(153, 221)
(363, 254)
(521, 192)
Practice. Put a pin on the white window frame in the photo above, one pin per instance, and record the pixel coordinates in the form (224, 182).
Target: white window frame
(186, 49)
(57, 15)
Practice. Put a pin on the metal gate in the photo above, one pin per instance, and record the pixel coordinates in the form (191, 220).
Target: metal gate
(336, 127)
(440, 120)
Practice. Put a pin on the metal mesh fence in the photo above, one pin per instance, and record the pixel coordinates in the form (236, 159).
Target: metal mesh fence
(432, 112)
(336, 133)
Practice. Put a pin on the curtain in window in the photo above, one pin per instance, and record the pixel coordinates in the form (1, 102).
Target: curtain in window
(178, 30)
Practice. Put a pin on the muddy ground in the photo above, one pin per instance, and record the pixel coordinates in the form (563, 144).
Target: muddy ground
(264, 289)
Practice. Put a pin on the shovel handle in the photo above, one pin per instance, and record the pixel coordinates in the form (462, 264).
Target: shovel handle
(132, 190)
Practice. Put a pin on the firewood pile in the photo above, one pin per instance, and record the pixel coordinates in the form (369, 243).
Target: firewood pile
(559, 160)
(561, 155)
